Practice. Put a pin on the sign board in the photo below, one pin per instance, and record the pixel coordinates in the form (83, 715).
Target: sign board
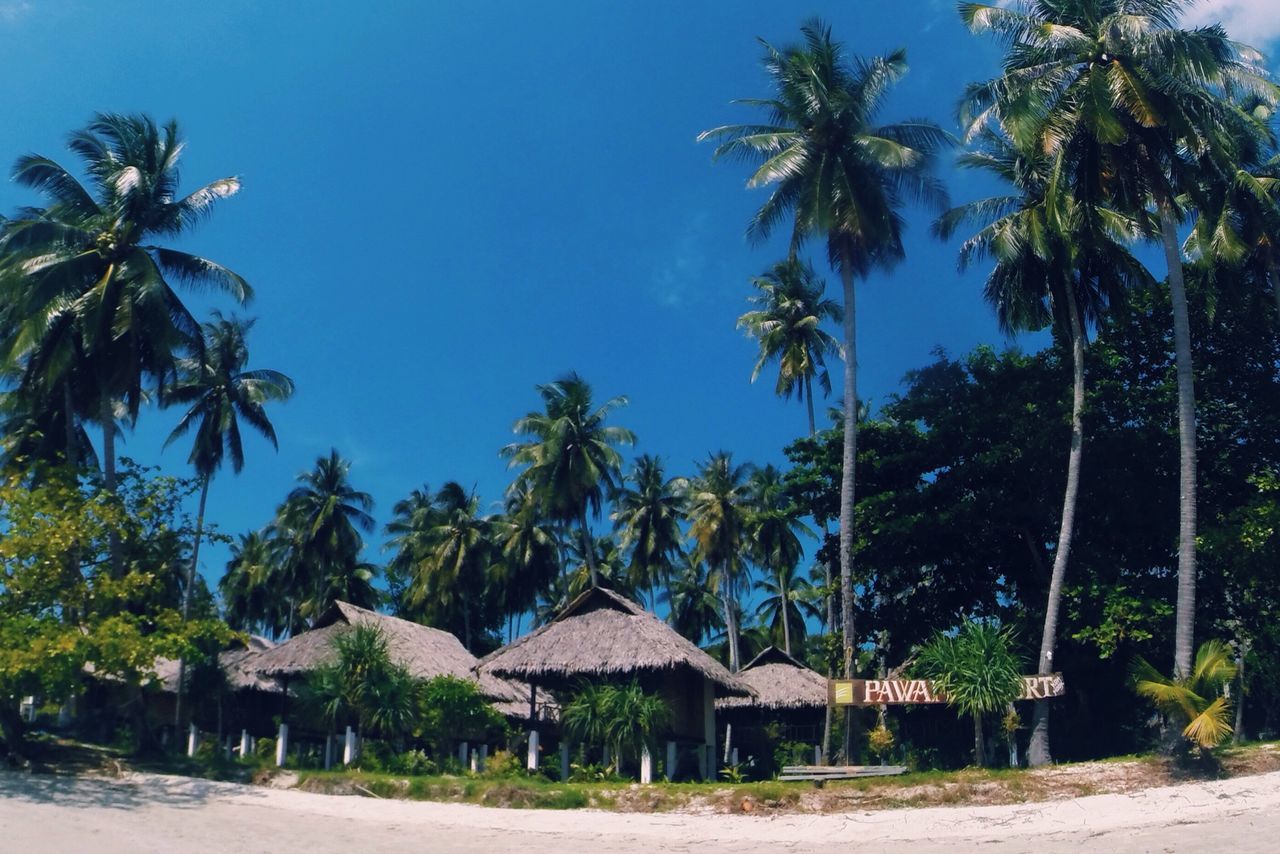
(876, 692)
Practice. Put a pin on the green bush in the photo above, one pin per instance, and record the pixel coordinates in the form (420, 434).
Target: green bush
(503, 764)
(413, 763)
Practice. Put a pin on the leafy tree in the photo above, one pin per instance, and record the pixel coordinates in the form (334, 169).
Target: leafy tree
(787, 602)
(1198, 698)
(1138, 107)
(570, 456)
(625, 717)
(719, 502)
(773, 542)
(365, 685)
(844, 178)
(451, 709)
(648, 510)
(976, 669)
(692, 607)
(530, 553)
(788, 327)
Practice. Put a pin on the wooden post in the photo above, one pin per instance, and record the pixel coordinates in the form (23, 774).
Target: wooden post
(193, 739)
(282, 745)
(227, 748)
(564, 761)
(328, 751)
(349, 747)
(708, 753)
(463, 749)
(532, 762)
(671, 761)
(245, 749)
(475, 761)
(817, 754)
(484, 755)
(733, 758)
(605, 756)
(728, 744)
(646, 766)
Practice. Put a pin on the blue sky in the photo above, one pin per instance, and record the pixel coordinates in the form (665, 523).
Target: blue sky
(446, 204)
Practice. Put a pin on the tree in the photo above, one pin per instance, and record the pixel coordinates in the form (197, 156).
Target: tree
(692, 607)
(319, 525)
(97, 316)
(773, 542)
(843, 178)
(1138, 108)
(220, 392)
(530, 554)
(570, 456)
(787, 602)
(364, 684)
(977, 671)
(788, 327)
(1057, 262)
(719, 499)
(1197, 698)
(648, 510)
(252, 598)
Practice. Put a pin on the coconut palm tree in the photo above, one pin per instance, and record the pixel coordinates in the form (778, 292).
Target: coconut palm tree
(648, 510)
(719, 504)
(249, 588)
(692, 607)
(1060, 263)
(788, 327)
(787, 600)
(842, 177)
(528, 554)
(220, 393)
(319, 525)
(99, 315)
(1199, 698)
(773, 539)
(1140, 110)
(570, 457)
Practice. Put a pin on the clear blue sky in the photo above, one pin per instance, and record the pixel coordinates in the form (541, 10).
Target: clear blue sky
(446, 204)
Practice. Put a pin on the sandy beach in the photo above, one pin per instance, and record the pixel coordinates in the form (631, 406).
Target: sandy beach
(154, 813)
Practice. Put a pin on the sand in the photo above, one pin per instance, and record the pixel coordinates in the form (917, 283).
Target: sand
(154, 813)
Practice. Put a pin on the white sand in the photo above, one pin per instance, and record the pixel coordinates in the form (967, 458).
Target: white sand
(152, 813)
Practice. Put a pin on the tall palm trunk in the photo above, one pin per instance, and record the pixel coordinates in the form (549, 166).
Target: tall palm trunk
(69, 426)
(1273, 269)
(808, 395)
(826, 566)
(1184, 623)
(1038, 750)
(786, 613)
(1242, 650)
(730, 600)
(847, 483)
(979, 742)
(107, 415)
(186, 598)
(588, 547)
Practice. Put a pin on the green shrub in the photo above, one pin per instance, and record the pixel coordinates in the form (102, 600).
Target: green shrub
(413, 763)
(503, 764)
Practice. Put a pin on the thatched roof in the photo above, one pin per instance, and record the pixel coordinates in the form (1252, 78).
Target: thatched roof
(603, 634)
(779, 682)
(236, 663)
(425, 651)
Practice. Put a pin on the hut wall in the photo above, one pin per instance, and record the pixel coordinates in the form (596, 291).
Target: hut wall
(684, 693)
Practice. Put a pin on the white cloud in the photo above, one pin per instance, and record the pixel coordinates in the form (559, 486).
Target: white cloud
(1255, 22)
(12, 11)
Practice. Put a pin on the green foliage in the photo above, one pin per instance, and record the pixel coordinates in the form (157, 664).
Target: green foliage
(452, 709)
(365, 685)
(503, 764)
(623, 717)
(1198, 700)
(975, 668)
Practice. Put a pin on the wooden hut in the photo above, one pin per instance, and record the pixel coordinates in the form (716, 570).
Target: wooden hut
(602, 635)
(424, 651)
(788, 704)
(257, 697)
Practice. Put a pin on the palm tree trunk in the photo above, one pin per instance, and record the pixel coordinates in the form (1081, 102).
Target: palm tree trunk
(831, 599)
(848, 461)
(1273, 268)
(107, 415)
(588, 547)
(1184, 623)
(1241, 651)
(69, 416)
(786, 613)
(808, 394)
(186, 598)
(979, 745)
(1038, 750)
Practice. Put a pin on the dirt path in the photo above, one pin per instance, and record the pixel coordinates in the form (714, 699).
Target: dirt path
(152, 813)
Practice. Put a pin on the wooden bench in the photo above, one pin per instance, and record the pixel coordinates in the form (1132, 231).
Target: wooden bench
(823, 773)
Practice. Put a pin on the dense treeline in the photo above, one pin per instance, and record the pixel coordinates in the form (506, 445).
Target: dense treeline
(1113, 497)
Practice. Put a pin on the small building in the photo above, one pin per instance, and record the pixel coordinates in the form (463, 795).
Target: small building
(788, 705)
(601, 635)
(424, 651)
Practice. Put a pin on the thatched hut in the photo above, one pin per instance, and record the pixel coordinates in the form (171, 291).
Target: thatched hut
(424, 651)
(257, 697)
(788, 706)
(604, 636)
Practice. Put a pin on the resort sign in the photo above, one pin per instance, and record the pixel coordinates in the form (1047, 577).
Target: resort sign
(876, 692)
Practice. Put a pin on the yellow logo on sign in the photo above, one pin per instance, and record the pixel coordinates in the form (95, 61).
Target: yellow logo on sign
(843, 693)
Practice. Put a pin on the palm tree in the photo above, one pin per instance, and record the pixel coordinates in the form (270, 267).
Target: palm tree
(98, 312)
(250, 591)
(1139, 109)
(528, 551)
(842, 177)
(788, 327)
(773, 530)
(692, 607)
(571, 456)
(1199, 698)
(719, 501)
(647, 512)
(320, 524)
(1056, 262)
(786, 601)
(451, 572)
(220, 392)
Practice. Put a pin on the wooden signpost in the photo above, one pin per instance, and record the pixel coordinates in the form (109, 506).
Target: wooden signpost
(877, 692)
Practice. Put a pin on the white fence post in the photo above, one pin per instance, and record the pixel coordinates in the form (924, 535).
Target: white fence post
(282, 745)
(193, 739)
(646, 765)
(532, 762)
(671, 761)
(349, 747)
(817, 754)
